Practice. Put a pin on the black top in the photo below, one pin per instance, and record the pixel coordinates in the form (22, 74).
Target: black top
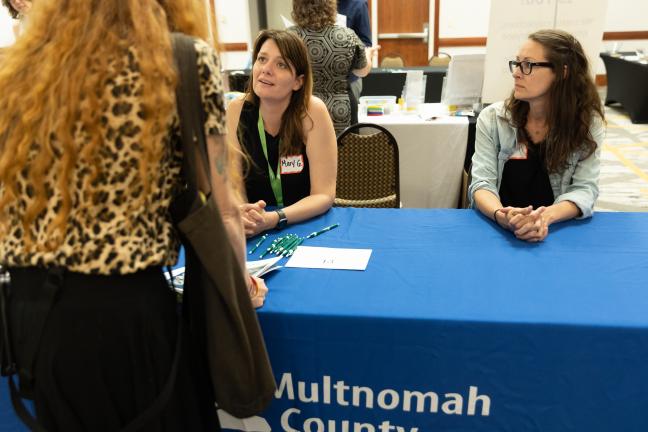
(257, 181)
(525, 181)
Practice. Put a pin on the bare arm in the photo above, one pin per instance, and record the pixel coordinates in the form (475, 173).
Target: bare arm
(487, 202)
(223, 194)
(369, 52)
(321, 150)
(564, 210)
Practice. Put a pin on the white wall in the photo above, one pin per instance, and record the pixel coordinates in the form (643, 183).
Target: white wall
(455, 22)
(6, 28)
(275, 8)
(233, 21)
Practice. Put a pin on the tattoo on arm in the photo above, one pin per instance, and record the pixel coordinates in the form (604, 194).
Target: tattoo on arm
(221, 161)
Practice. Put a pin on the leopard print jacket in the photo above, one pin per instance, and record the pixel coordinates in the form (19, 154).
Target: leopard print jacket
(114, 236)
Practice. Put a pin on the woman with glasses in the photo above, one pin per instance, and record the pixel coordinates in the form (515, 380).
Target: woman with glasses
(536, 159)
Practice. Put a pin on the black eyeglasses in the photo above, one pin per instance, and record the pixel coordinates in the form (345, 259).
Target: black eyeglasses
(526, 66)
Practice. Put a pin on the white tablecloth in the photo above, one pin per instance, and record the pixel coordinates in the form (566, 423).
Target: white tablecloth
(431, 157)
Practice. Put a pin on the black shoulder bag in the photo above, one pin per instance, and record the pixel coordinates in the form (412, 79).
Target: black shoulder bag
(216, 302)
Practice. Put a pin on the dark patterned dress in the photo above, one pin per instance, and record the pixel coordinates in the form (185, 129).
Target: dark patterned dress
(334, 52)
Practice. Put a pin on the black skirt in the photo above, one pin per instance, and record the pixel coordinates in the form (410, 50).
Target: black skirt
(106, 353)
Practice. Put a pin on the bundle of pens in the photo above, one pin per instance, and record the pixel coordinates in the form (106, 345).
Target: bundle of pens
(375, 110)
(286, 245)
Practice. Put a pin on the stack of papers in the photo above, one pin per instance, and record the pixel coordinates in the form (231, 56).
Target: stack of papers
(255, 268)
(261, 267)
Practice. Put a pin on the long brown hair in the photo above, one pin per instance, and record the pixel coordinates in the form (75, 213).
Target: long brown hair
(314, 14)
(573, 100)
(12, 12)
(53, 90)
(293, 50)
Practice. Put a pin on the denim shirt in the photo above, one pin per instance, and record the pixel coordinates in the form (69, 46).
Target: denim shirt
(496, 141)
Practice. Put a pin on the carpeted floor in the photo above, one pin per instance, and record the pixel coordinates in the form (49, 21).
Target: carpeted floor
(624, 164)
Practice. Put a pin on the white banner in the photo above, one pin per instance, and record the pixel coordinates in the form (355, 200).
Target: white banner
(511, 21)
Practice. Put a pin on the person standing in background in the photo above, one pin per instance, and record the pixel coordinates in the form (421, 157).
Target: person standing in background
(357, 19)
(335, 52)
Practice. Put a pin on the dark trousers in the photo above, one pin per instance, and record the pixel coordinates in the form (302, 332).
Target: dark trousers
(106, 351)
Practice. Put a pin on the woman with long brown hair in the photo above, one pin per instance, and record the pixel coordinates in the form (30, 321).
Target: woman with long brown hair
(287, 136)
(536, 158)
(90, 159)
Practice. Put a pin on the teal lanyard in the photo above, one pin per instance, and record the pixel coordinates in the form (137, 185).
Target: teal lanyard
(275, 179)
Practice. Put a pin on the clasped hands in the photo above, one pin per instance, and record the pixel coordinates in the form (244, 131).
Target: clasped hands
(256, 219)
(526, 223)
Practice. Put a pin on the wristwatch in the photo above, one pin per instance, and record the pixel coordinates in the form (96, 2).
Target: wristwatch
(283, 220)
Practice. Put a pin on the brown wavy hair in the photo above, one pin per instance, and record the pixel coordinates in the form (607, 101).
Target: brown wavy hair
(314, 14)
(573, 104)
(53, 88)
(293, 50)
(13, 12)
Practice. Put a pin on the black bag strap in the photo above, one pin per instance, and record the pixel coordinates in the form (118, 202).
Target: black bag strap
(50, 289)
(7, 361)
(192, 117)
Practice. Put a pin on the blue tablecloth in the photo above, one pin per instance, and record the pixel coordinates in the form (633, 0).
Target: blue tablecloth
(458, 326)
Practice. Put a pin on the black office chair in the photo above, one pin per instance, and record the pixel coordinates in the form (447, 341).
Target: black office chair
(368, 174)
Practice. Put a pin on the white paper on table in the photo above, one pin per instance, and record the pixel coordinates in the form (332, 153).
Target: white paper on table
(414, 88)
(432, 111)
(249, 424)
(330, 258)
(261, 267)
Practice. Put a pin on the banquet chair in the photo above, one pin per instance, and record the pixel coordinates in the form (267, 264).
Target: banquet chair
(392, 60)
(368, 174)
(466, 179)
(443, 59)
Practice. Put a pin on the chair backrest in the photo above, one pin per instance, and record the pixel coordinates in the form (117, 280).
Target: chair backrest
(392, 60)
(466, 179)
(368, 173)
(443, 59)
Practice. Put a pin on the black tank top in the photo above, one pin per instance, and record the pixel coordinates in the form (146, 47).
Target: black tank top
(257, 181)
(526, 181)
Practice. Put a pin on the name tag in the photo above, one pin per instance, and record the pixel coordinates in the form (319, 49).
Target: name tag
(292, 164)
(520, 153)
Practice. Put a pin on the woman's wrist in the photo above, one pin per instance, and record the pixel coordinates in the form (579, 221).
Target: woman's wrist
(497, 210)
(272, 219)
(253, 287)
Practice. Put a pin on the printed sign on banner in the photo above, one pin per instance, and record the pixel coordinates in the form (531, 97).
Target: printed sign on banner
(511, 21)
